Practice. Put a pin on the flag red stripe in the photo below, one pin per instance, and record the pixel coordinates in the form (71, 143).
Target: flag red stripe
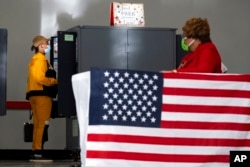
(219, 77)
(206, 109)
(157, 157)
(206, 92)
(205, 125)
(168, 140)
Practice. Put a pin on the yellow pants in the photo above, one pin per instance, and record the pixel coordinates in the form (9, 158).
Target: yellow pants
(41, 108)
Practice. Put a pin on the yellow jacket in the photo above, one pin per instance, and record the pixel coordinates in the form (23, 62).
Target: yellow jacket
(36, 76)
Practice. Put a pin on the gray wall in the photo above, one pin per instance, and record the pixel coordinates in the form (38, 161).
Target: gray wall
(229, 21)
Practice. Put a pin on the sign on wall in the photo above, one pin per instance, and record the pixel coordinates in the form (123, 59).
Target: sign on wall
(127, 14)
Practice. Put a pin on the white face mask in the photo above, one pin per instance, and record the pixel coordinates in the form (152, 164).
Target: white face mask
(47, 50)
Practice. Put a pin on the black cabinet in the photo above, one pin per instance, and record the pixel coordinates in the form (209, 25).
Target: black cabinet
(135, 48)
(101, 47)
(151, 49)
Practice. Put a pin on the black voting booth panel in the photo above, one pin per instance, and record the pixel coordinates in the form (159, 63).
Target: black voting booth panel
(179, 51)
(66, 68)
(136, 48)
(3, 69)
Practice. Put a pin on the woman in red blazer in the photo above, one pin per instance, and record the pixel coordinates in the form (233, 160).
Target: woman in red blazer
(203, 55)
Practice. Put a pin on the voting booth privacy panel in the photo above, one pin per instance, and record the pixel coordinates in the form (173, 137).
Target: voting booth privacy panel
(144, 118)
(3, 69)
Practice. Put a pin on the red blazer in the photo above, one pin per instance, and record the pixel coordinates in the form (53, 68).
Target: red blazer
(205, 58)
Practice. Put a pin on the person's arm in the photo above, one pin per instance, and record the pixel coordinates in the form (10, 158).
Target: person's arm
(39, 74)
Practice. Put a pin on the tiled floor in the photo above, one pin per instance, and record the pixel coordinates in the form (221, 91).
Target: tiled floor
(26, 163)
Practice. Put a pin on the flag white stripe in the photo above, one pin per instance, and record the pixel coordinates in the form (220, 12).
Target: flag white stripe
(206, 117)
(160, 132)
(202, 100)
(162, 149)
(122, 163)
(206, 84)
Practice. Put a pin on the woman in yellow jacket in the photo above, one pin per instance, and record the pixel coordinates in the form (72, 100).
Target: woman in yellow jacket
(40, 99)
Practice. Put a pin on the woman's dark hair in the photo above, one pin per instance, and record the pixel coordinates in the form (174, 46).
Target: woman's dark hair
(197, 28)
(34, 48)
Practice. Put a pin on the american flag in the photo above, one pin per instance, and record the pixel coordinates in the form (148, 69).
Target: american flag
(153, 119)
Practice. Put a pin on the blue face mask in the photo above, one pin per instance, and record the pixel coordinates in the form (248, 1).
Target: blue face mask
(47, 50)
